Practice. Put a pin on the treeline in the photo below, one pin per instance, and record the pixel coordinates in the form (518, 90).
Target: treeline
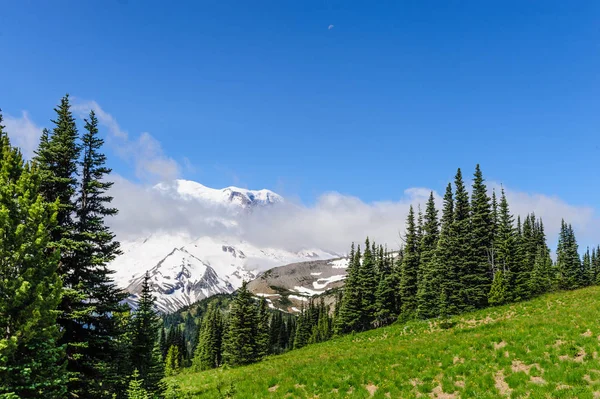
(474, 255)
(65, 330)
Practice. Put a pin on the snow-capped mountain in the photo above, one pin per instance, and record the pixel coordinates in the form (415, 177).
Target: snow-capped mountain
(184, 269)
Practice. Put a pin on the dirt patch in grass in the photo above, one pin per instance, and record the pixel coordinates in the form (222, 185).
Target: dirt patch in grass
(371, 389)
(518, 366)
(439, 393)
(273, 388)
(500, 345)
(458, 360)
(460, 383)
(558, 343)
(501, 385)
(588, 333)
(562, 386)
(299, 386)
(537, 380)
(578, 358)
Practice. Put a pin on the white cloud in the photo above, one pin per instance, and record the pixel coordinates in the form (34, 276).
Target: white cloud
(23, 133)
(331, 224)
(145, 152)
(330, 27)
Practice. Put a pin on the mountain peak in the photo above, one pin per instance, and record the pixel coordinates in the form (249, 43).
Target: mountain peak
(241, 197)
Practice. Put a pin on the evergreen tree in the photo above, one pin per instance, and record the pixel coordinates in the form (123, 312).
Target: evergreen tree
(387, 298)
(498, 292)
(136, 388)
(506, 243)
(210, 345)
(303, 329)
(410, 267)
(240, 346)
(462, 249)
(262, 330)
(428, 281)
(95, 325)
(568, 263)
(145, 352)
(443, 257)
(31, 362)
(367, 284)
(172, 361)
(477, 278)
(349, 317)
(541, 275)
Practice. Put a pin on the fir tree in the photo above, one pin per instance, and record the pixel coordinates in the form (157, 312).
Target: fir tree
(145, 352)
(95, 323)
(367, 284)
(410, 267)
(31, 362)
(240, 346)
(541, 275)
(443, 257)
(172, 361)
(262, 330)
(568, 263)
(136, 388)
(498, 292)
(209, 350)
(461, 246)
(428, 282)
(351, 304)
(506, 248)
(477, 277)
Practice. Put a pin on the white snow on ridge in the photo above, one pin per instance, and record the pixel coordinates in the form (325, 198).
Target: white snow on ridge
(298, 298)
(340, 263)
(324, 282)
(307, 291)
(316, 274)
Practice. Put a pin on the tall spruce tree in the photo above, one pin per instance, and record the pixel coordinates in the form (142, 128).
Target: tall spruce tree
(568, 263)
(367, 284)
(506, 244)
(410, 267)
(209, 350)
(145, 351)
(443, 257)
(477, 278)
(31, 362)
(350, 307)
(240, 346)
(97, 328)
(428, 282)
(262, 330)
(462, 249)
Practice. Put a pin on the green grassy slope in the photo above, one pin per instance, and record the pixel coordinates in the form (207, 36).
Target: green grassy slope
(544, 348)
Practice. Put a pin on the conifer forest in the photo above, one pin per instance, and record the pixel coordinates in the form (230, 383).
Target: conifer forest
(67, 331)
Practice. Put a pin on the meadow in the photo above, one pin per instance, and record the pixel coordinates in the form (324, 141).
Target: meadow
(543, 348)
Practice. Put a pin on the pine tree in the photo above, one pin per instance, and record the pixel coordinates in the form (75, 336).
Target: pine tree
(443, 257)
(428, 281)
(506, 243)
(351, 304)
(262, 330)
(461, 244)
(541, 275)
(478, 278)
(94, 323)
(145, 352)
(303, 329)
(209, 350)
(172, 361)
(586, 273)
(498, 292)
(31, 362)
(240, 346)
(367, 284)
(410, 267)
(136, 388)
(568, 263)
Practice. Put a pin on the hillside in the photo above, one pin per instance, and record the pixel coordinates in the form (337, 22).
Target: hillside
(546, 347)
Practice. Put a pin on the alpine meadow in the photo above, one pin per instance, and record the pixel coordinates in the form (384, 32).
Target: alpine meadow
(314, 199)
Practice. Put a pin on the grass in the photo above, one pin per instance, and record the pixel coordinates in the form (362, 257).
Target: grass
(544, 348)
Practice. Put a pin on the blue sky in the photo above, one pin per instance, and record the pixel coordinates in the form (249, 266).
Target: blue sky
(396, 94)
